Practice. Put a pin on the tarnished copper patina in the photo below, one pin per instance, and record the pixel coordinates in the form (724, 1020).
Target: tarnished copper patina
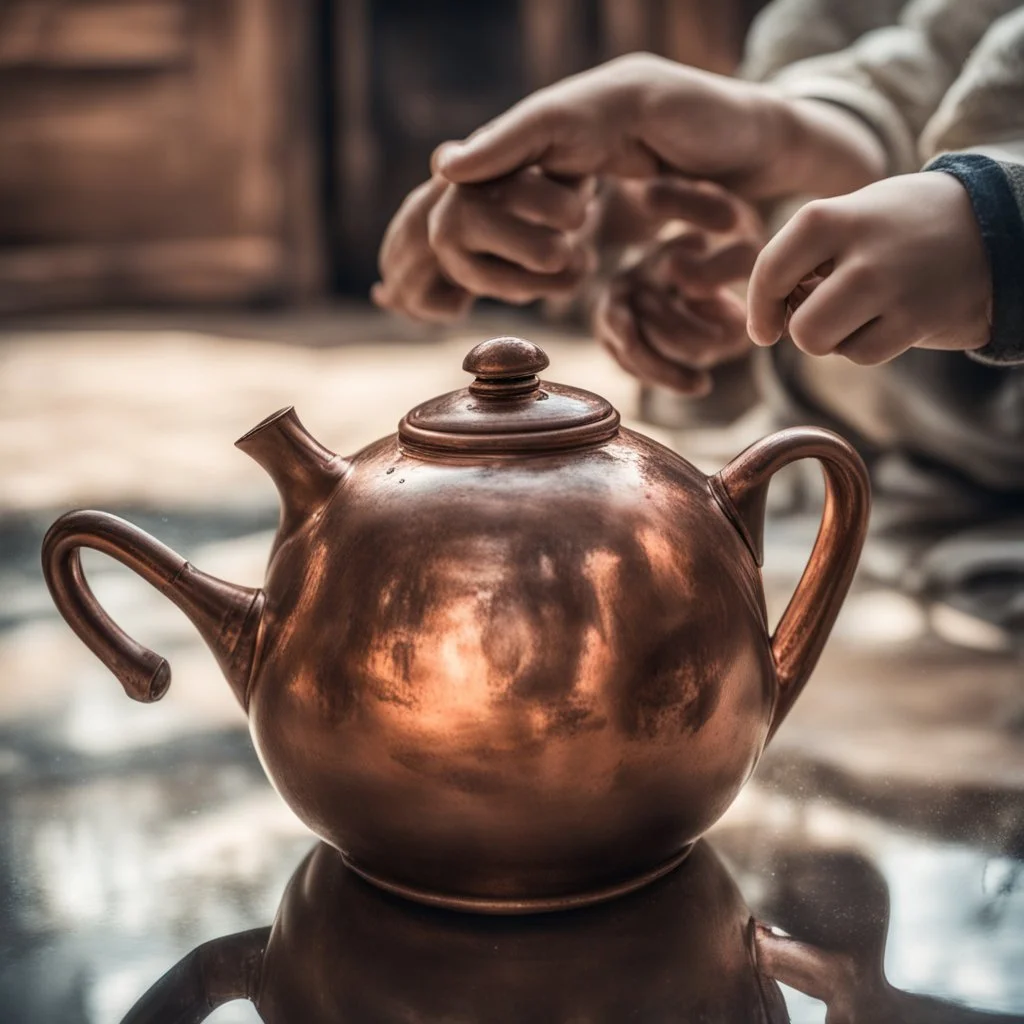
(514, 657)
(341, 952)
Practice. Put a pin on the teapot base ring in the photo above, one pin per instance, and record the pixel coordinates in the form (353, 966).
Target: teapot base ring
(521, 905)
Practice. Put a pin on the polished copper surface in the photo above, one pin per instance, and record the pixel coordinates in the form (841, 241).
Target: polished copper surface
(505, 411)
(502, 680)
(339, 950)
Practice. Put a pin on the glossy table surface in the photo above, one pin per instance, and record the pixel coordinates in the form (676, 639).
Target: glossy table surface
(884, 829)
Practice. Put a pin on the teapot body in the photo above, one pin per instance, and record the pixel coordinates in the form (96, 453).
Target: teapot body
(513, 682)
(513, 658)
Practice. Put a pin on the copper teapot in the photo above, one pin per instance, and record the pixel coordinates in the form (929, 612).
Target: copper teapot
(514, 657)
(342, 952)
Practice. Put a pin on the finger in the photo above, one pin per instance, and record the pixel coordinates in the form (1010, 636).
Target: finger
(392, 299)
(699, 335)
(801, 293)
(407, 229)
(517, 138)
(650, 369)
(812, 971)
(837, 307)
(730, 312)
(380, 296)
(671, 328)
(417, 289)
(428, 297)
(875, 343)
(441, 303)
(701, 203)
(535, 197)
(701, 274)
(491, 277)
(807, 241)
(615, 325)
(476, 227)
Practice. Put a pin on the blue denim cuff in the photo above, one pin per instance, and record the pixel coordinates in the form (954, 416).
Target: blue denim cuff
(998, 208)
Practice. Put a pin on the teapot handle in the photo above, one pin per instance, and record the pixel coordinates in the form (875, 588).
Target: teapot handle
(213, 974)
(742, 490)
(226, 615)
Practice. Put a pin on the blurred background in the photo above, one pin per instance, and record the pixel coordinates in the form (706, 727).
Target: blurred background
(192, 195)
(252, 151)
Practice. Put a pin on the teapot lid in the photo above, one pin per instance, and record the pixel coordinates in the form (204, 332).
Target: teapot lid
(507, 409)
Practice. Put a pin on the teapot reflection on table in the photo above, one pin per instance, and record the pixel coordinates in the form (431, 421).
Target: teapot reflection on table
(341, 950)
(514, 657)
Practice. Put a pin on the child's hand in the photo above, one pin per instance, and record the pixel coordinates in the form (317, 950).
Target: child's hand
(516, 239)
(412, 282)
(895, 265)
(671, 317)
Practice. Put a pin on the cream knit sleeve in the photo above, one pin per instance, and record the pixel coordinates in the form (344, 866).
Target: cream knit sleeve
(894, 76)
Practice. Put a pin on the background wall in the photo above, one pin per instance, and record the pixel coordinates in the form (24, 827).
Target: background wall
(252, 151)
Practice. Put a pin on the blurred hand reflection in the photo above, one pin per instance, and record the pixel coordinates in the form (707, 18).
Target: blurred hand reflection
(835, 907)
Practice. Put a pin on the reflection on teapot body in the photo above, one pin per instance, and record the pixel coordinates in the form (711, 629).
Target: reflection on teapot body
(513, 657)
(340, 950)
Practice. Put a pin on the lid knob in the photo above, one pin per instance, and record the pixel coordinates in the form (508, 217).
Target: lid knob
(505, 366)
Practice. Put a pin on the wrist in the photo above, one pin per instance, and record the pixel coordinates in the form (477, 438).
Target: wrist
(820, 149)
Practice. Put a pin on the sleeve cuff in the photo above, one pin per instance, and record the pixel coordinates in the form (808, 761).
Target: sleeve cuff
(871, 107)
(998, 208)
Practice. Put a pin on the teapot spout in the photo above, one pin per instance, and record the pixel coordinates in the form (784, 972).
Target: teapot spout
(303, 470)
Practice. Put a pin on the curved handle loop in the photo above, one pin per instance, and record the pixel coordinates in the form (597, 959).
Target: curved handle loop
(742, 487)
(213, 974)
(226, 615)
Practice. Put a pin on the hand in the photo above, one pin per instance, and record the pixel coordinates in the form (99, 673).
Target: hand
(412, 282)
(516, 239)
(640, 115)
(631, 213)
(855, 990)
(671, 317)
(895, 265)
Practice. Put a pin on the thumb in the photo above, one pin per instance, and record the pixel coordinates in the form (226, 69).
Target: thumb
(491, 153)
(518, 138)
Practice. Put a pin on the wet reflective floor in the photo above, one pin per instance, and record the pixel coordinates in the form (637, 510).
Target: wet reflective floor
(881, 842)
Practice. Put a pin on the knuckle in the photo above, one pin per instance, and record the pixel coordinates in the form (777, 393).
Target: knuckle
(816, 216)
(863, 277)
